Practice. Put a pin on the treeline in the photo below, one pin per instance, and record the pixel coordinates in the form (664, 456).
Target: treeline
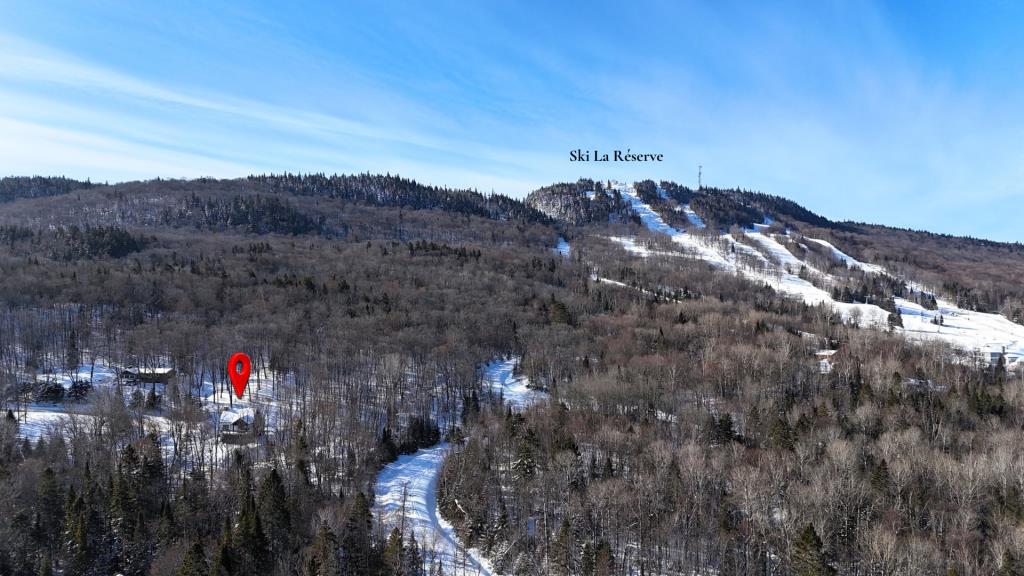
(73, 242)
(143, 520)
(398, 192)
(15, 187)
(252, 214)
(582, 202)
(97, 241)
(728, 206)
(974, 274)
(877, 289)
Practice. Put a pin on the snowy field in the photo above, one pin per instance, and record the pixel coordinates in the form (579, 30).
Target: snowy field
(406, 490)
(43, 420)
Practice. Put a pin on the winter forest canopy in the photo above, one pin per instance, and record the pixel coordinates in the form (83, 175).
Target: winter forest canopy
(709, 391)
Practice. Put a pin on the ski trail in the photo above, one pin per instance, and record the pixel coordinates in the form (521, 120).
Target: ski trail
(655, 223)
(406, 490)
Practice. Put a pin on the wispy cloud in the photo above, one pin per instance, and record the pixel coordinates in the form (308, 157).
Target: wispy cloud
(856, 110)
(131, 128)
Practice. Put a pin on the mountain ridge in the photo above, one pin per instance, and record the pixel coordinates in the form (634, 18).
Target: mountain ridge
(978, 274)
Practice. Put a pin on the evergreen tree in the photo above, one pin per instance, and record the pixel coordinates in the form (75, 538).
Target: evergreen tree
(137, 550)
(194, 563)
(124, 493)
(387, 448)
(413, 559)
(300, 453)
(73, 356)
(394, 552)
(604, 560)
(856, 385)
(250, 541)
(525, 463)
(167, 529)
(273, 509)
(587, 560)
(225, 560)
(781, 435)
(152, 399)
(880, 479)
(808, 556)
(561, 553)
(1008, 565)
(499, 530)
(323, 554)
(45, 567)
(50, 508)
(356, 545)
(999, 371)
(895, 319)
(82, 533)
(608, 471)
(151, 483)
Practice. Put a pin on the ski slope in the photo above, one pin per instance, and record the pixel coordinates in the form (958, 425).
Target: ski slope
(974, 331)
(405, 493)
(784, 278)
(850, 261)
(655, 223)
(977, 332)
(694, 219)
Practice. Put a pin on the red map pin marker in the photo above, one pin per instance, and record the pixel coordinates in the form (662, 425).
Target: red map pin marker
(238, 370)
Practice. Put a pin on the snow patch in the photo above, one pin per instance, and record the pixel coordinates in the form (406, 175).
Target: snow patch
(562, 247)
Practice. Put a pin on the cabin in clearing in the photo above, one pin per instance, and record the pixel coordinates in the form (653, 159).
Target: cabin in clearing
(147, 375)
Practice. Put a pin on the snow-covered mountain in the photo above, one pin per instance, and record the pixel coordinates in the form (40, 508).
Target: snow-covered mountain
(810, 269)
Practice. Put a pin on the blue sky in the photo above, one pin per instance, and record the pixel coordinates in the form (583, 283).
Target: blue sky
(900, 113)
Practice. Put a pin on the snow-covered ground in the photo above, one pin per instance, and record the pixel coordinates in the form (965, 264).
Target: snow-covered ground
(851, 262)
(100, 372)
(721, 255)
(406, 495)
(42, 420)
(39, 419)
(500, 377)
(977, 331)
(562, 247)
(259, 396)
(631, 245)
(694, 219)
(406, 490)
(654, 222)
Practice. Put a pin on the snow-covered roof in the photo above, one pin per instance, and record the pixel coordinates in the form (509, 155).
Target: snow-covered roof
(149, 370)
(232, 416)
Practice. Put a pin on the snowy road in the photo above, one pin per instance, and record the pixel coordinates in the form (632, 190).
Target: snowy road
(406, 489)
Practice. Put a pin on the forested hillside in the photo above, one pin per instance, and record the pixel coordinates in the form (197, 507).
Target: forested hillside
(691, 413)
